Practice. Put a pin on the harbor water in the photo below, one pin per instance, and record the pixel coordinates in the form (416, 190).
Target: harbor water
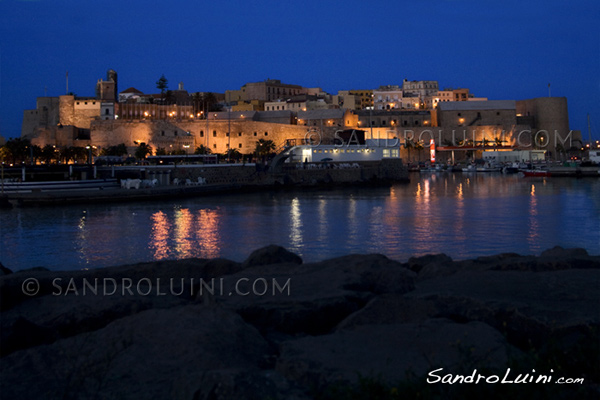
(461, 215)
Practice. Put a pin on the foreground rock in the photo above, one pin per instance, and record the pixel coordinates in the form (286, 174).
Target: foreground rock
(273, 327)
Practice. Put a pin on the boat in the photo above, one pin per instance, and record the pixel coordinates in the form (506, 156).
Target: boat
(536, 172)
(481, 168)
(53, 186)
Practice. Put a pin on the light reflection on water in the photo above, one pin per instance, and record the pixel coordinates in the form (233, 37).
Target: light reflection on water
(460, 215)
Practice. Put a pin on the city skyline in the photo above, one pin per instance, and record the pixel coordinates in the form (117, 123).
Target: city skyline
(500, 51)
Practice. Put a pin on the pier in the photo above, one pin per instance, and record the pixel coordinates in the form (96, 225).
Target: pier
(138, 183)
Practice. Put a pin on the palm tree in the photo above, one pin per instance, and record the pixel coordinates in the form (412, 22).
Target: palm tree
(47, 154)
(143, 150)
(18, 149)
(233, 154)
(409, 144)
(264, 147)
(419, 146)
(498, 141)
(36, 152)
(81, 153)
(69, 154)
(118, 150)
(202, 149)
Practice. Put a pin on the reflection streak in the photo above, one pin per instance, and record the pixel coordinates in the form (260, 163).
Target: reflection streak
(295, 223)
(159, 240)
(208, 233)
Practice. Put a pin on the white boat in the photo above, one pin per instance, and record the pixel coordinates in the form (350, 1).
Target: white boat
(53, 186)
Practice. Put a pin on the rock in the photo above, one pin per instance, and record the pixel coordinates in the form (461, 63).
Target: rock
(220, 267)
(527, 306)
(22, 333)
(73, 302)
(320, 294)
(155, 354)
(242, 385)
(391, 308)
(418, 263)
(559, 252)
(60, 316)
(4, 270)
(391, 352)
(271, 254)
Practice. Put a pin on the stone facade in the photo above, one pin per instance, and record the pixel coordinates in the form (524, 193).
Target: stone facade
(268, 90)
(45, 114)
(549, 119)
(177, 134)
(365, 97)
(133, 111)
(420, 88)
(394, 118)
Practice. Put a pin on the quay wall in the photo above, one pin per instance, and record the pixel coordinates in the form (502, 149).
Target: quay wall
(259, 175)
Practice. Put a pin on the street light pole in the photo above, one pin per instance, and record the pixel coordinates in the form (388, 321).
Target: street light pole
(371, 114)
(229, 129)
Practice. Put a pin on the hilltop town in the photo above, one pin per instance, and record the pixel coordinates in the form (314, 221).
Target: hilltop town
(233, 122)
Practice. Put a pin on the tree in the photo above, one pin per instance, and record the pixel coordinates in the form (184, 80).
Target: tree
(160, 151)
(142, 151)
(162, 84)
(202, 149)
(419, 146)
(36, 152)
(409, 144)
(18, 149)
(498, 141)
(233, 154)
(4, 153)
(69, 154)
(264, 147)
(118, 150)
(211, 102)
(48, 153)
(82, 154)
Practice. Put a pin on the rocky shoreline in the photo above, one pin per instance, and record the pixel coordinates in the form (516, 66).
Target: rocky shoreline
(272, 327)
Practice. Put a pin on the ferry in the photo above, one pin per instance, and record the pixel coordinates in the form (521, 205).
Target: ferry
(344, 151)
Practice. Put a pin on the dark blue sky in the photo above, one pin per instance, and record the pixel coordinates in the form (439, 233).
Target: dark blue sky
(500, 50)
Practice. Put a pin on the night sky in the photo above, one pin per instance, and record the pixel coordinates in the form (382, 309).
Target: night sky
(500, 49)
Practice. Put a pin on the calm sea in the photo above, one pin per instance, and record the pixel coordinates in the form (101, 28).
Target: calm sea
(462, 215)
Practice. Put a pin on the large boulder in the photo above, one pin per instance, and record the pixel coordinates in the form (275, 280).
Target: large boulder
(526, 306)
(155, 354)
(73, 302)
(269, 255)
(317, 296)
(391, 352)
